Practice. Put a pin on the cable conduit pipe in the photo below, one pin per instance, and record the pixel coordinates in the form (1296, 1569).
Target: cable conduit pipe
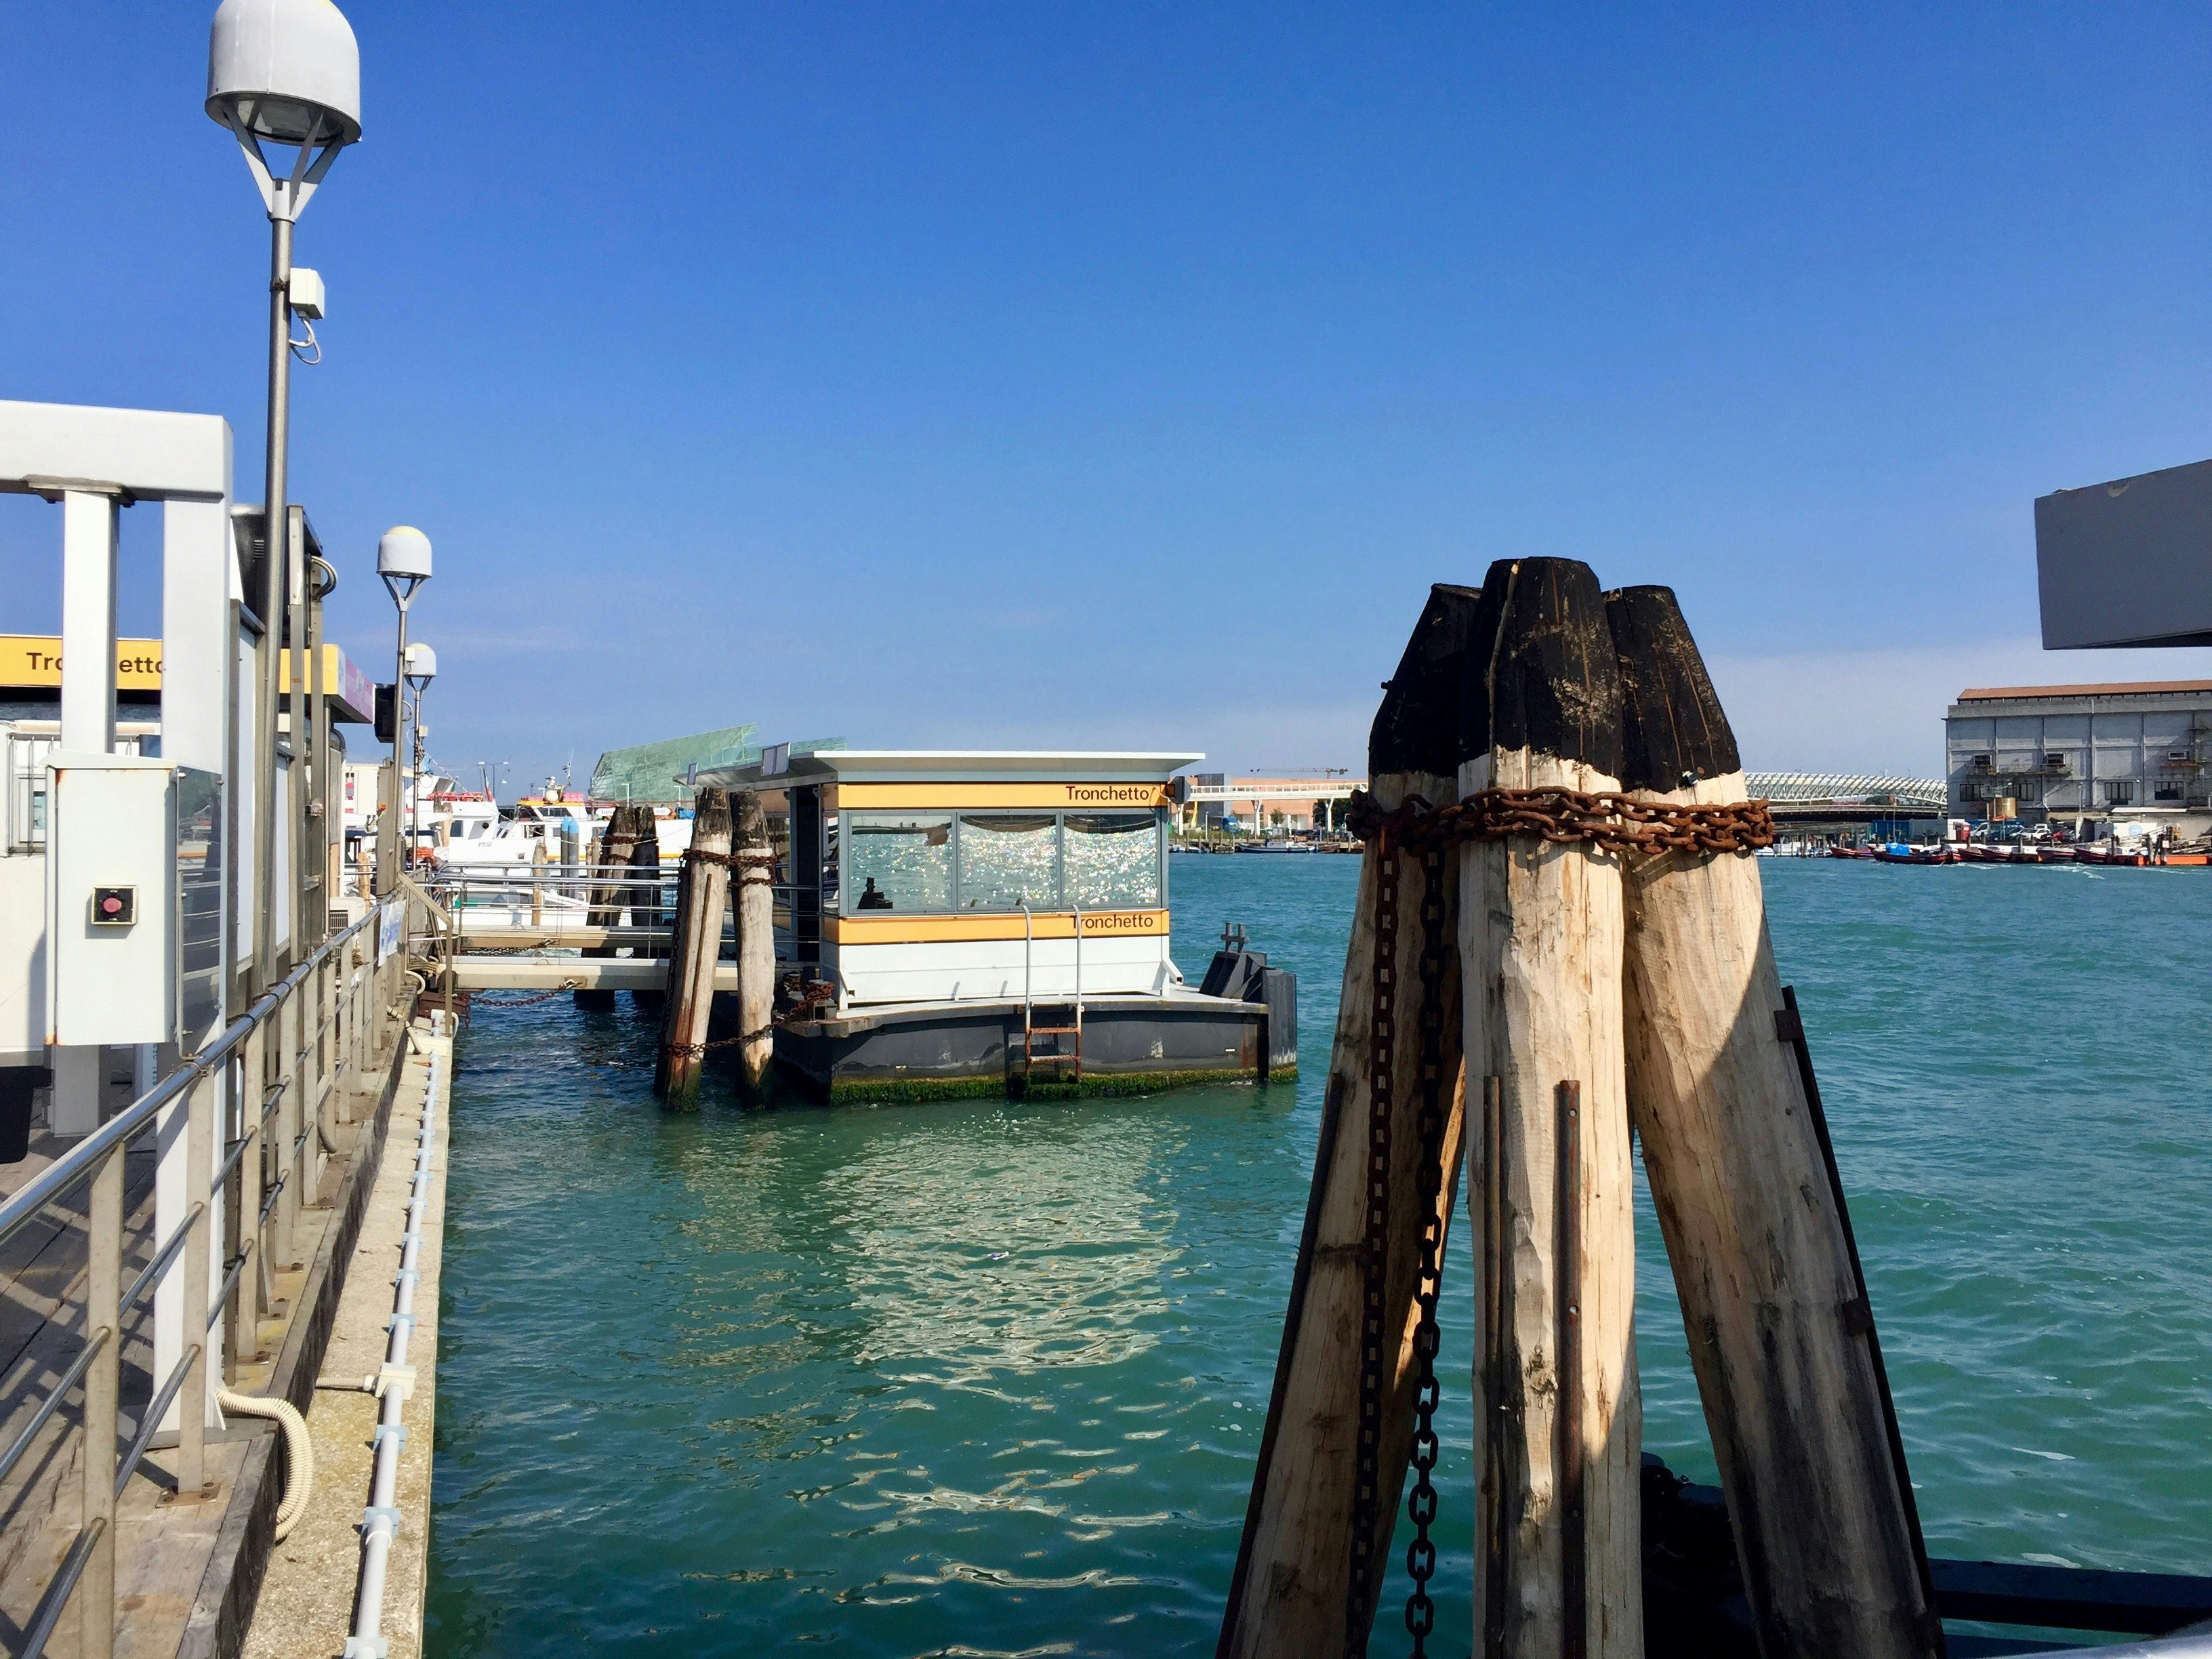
(379, 1521)
(299, 1451)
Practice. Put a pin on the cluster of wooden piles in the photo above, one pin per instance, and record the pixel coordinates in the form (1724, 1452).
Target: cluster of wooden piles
(728, 866)
(1560, 921)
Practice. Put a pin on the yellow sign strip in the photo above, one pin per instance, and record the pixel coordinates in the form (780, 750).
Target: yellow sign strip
(996, 925)
(34, 660)
(955, 793)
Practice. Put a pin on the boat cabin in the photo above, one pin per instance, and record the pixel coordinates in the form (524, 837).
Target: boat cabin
(946, 876)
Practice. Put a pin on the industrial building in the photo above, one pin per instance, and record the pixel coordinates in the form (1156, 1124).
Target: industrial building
(1215, 801)
(2121, 752)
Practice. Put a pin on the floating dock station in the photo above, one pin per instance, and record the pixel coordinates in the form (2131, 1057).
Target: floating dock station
(964, 922)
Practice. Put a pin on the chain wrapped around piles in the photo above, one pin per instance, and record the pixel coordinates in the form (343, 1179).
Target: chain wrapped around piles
(753, 867)
(1613, 822)
(1610, 821)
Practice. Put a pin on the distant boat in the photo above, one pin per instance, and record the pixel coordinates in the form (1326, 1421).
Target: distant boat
(1282, 845)
(1898, 853)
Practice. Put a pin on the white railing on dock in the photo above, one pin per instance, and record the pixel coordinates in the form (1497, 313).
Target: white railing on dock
(324, 1031)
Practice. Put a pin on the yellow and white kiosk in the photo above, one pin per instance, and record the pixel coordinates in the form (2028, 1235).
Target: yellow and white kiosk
(969, 922)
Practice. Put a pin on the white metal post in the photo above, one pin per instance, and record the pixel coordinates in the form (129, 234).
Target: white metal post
(200, 583)
(193, 1423)
(95, 1591)
(87, 622)
(284, 1243)
(87, 726)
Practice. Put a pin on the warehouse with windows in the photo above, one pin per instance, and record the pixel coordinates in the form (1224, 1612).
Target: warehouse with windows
(2118, 752)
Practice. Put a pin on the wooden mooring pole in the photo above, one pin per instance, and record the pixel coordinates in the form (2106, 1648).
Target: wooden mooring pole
(645, 896)
(756, 914)
(1333, 1457)
(1781, 1334)
(610, 853)
(703, 898)
(1561, 1572)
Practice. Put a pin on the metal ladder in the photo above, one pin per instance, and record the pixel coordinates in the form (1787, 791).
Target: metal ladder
(1069, 1066)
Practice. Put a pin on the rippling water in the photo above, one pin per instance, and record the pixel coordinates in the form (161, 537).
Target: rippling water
(977, 1378)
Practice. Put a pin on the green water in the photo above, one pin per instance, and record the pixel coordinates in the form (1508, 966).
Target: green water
(984, 1379)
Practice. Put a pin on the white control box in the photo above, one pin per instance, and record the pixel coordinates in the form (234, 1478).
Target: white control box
(111, 899)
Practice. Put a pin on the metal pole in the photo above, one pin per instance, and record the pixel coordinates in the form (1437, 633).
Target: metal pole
(284, 1249)
(298, 733)
(276, 534)
(245, 1308)
(103, 1288)
(315, 822)
(387, 880)
(199, 1178)
(415, 801)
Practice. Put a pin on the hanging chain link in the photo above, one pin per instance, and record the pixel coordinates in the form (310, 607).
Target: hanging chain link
(1421, 1505)
(1361, 1590)
(1614, 823)
(817, 996)
(478, 999)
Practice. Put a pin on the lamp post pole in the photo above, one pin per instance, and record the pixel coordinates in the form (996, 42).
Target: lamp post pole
(414, 821)
(285, 72)
(399, 799)
(270, 602)
(418, 664)
(402, 560)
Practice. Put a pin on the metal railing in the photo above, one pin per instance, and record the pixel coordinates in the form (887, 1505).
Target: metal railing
(269, 1079)
(561, 892)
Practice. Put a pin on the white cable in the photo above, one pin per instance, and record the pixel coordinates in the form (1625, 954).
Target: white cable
(298, 1450)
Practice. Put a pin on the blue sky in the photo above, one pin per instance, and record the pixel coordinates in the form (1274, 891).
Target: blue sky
(1115, 376)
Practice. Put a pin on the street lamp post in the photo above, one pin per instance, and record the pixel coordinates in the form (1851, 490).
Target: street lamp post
(282, 72)
(402, 559)
(422, 665)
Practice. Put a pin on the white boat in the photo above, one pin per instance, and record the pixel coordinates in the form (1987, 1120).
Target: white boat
(982, 922)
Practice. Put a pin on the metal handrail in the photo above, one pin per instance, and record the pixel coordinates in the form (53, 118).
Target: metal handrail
(101, 1316)
(85, 1158)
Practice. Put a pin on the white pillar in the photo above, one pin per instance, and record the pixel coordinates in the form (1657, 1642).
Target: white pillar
(87, 622)
(87, 726)
(199, 660)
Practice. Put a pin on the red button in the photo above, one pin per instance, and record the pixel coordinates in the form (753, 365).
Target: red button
(111, 904)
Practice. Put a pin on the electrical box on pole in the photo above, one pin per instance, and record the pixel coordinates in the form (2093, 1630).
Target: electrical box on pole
(135, 885)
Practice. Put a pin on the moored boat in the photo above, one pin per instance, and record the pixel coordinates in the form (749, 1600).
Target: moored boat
(954, 923)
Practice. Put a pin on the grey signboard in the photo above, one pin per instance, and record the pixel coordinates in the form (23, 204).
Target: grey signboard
(2127, 562)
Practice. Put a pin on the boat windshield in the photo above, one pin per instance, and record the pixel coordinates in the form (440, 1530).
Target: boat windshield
(1000, 860)
(899, 860)
(1113, 860)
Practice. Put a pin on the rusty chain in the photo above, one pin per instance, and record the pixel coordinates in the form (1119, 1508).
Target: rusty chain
(815, 996)
(478, 999)
(1428, 1184)
(749, 865)
(1361, 1590)
(1612, 822)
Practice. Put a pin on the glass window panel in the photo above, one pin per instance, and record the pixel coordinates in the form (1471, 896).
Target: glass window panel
(897, 860)
(1113, 860)
(1006, 858)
